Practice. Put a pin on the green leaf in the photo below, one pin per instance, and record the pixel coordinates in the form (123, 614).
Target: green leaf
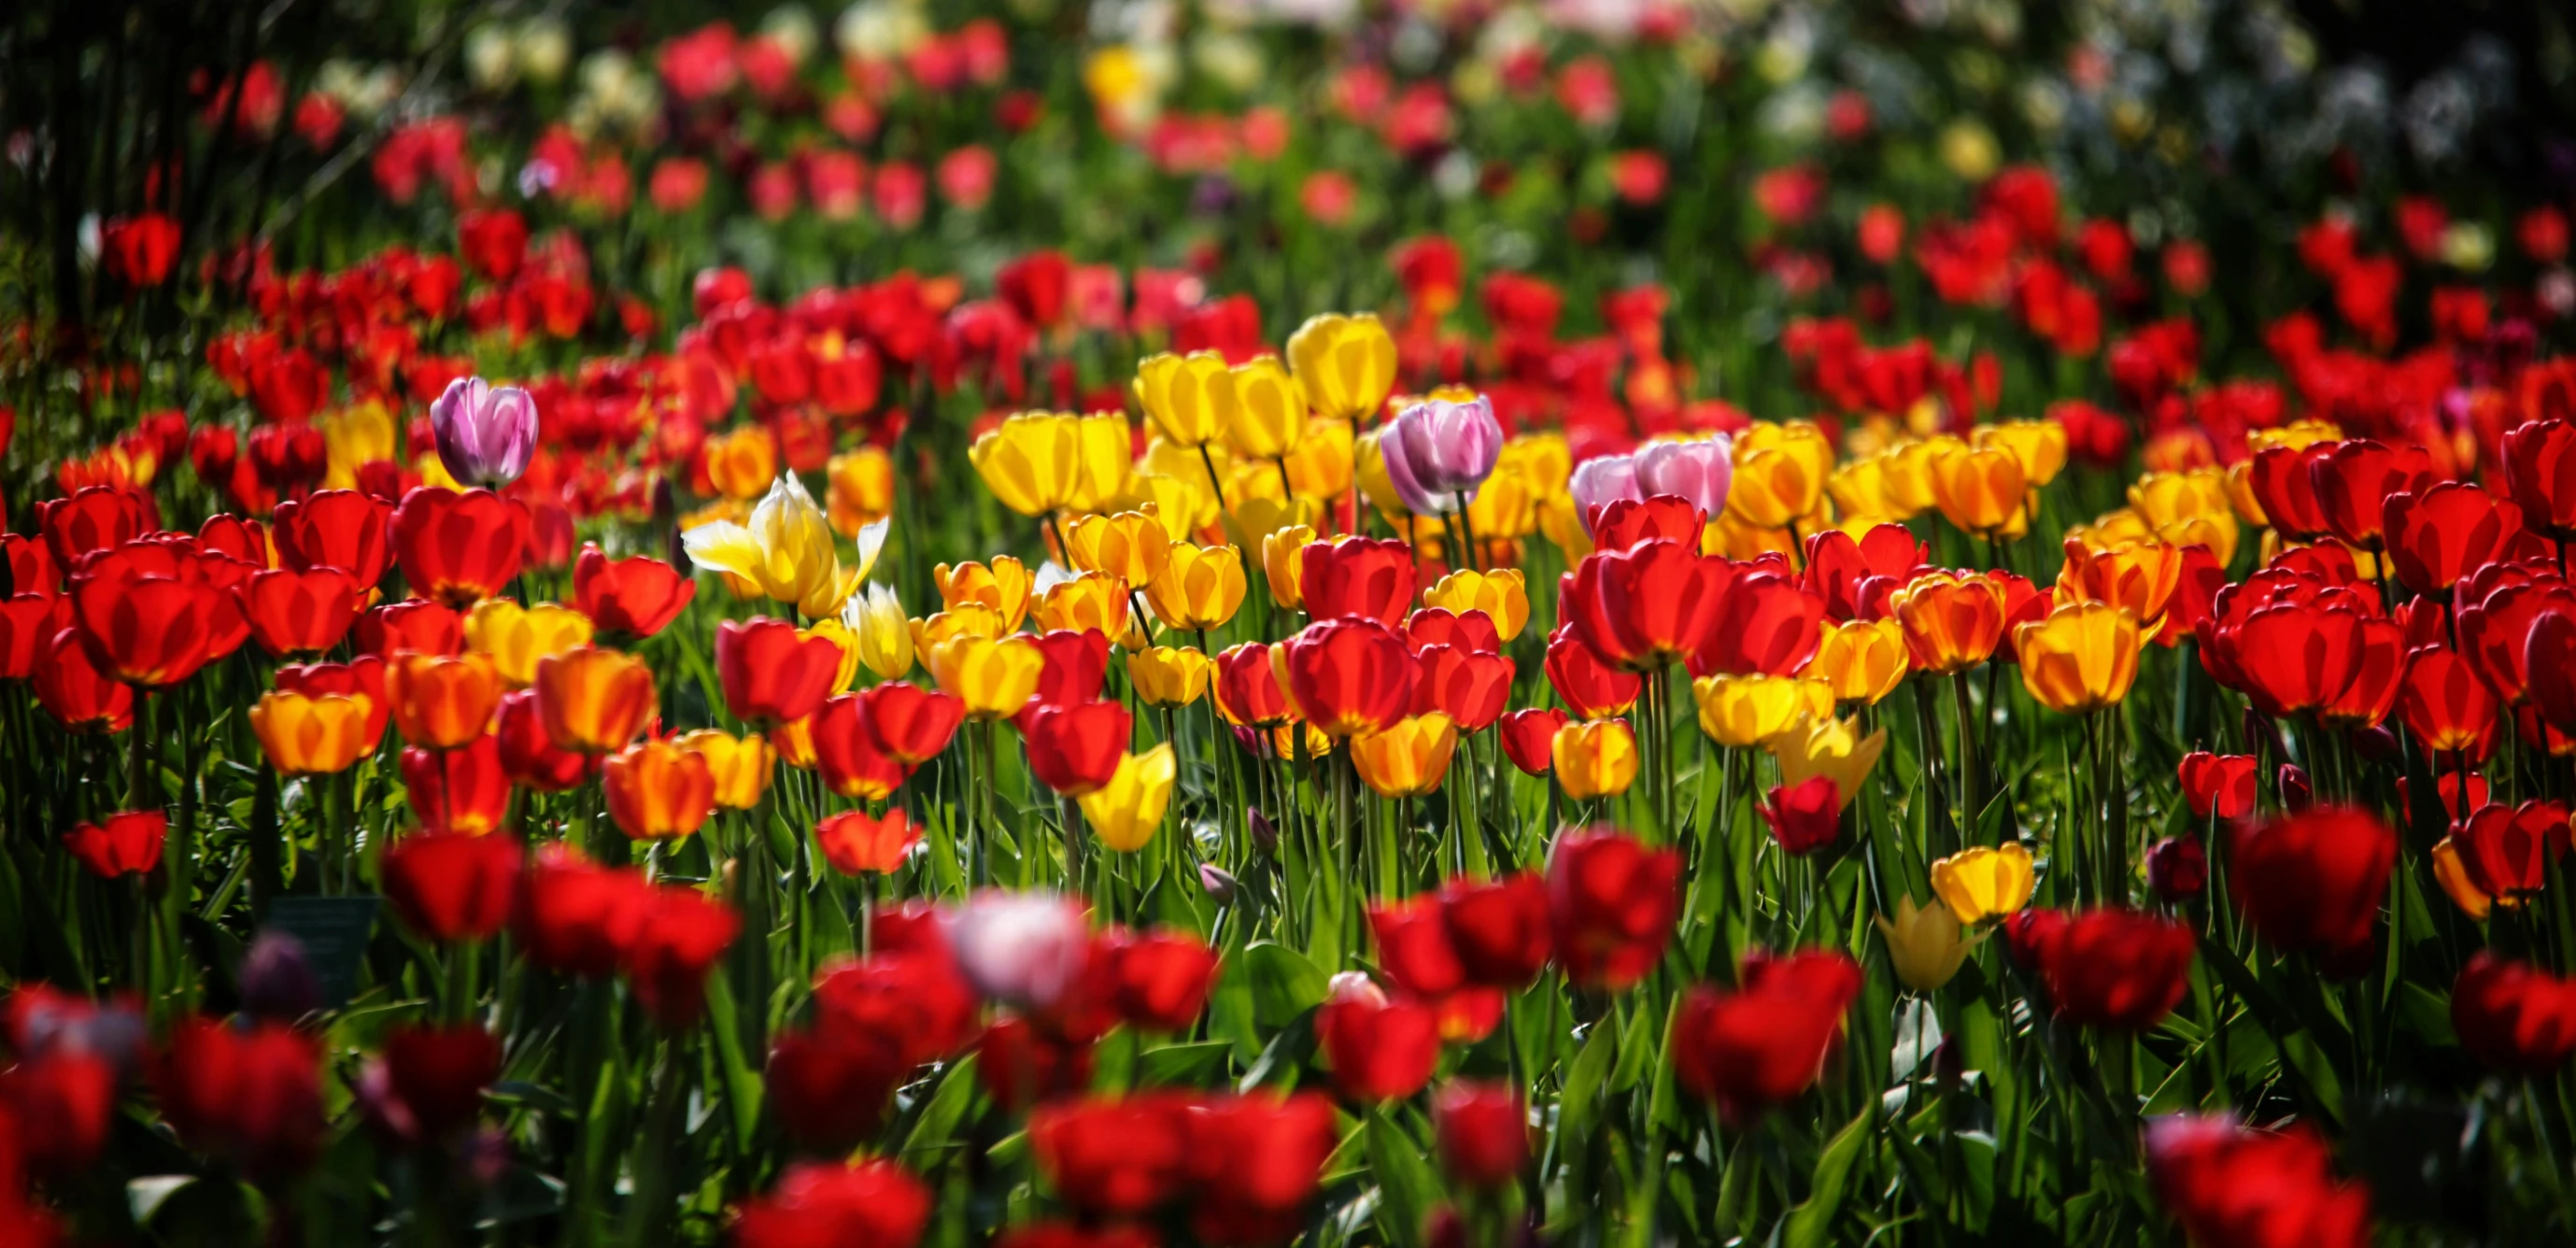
(1582, 1098)
(1408, 1189)
(1284, 983)
(742, 1083)
(1811, 1222)
(1184, 1065)
(936, 1129)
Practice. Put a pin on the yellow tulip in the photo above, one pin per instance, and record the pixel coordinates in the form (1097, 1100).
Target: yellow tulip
(2038, 445)
(740, 765)
(1860, 488)
(1168, 675)
(1780, 473)
(1594, 758)
(1183, 396)
(1265, 413)
(352, 437)
(515, 637)
(1321, 466)
(1041, 462)
(1952, 620)
(1254, 519)
(1125, 812)
(2083, 657)
(966, 620)
(1981, 883)
(1506, 509)
(786, 550)
(311, 735)
(1741, 711)
(1981, 490)
(1084, 601)
(1543, 461)
(2161, 498)
(1345, 364)
(1001, 586)
(993, 678)
(1562, 522)
(837, 631)
(741, 463)
(1407, 758)
(1200, 588)
(1832, 748)
(1502, 594)
(1130, 546)
(1368, 469)
(1283, 563)
(882, 634)
(1905, 473)
(1924, 945)
(860, 490)
(1861, 661)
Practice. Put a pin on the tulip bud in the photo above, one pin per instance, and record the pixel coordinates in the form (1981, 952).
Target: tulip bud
(1264, 832)
(277, 980)
(1219, 883)
(2296, 794)
(2379, 745)
(2178, 869)
(2260, 732)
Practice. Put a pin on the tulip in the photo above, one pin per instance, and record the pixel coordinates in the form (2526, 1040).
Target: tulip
(1160, 980)
(1345, 365)
(2039, 446)
(994, 679)
(1113, 1158)
(632, 598)
(869, 1202)
(575, 916)
(432, 1080)
(657, 790)
(1832, 748)
(2440, 535)
(300, 612)
(1923, 944)
(1644, 607)
(2082, 658)
(96, 517)
(2507, 850)
(1780, 473)
(679, 933)
(2353, 481)
(1981, 883)
(452, 887)
(2218, 785)
(1765, 1043)
(422, 627)
(2447, 706)
(1586, 682)
(882, 635)
(340, 529)
(1407, 758)
(1347, 677)
(1076, 749)
(1184, 397)
(1529, 739)
(2451, 871)
(1952, 621)
(154, 630)
(1379, 1050)
(2513, 1016)
(1358, 579)
(2289, 657)
(859, 490)
(1002, 587)
(1595, 759)
(128, 843)
(459, 548)
(1125, 812)
(1766, 622)
(440, 703)
(2312, 882)
(1283, 564)
(529, 755)
(485, 434)
(1500, 595)
(516, 637)
(742, 463)
(856, 842)
(1854, 576)
(463, 790)
(1482, 1131)
(1859, 661)
(1199, 588)
(1037, 463)
(594, 701)
(1025, 950)
(1437, 453)
(251, 1096)
(1263, 410)
(1497, 930)
(1611, 904)
(909, 723)
(2138, 576)
(2228, 1185)
(786, 550)
(1131, 547)
(739, 765)
(308, 735)
(1470, 688)
(2538, 471)
(1167, 676)
(2115, 969)
(772, 674)
(847, 752)
(2177, 869)
(829, 1090)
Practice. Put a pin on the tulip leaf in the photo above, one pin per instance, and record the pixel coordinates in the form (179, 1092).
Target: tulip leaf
(1581, 1099)
(1407, 1186)
(742, 1082)
(1284, 983)
(1184, 1065)
(935, 1129)
(1812, 1223)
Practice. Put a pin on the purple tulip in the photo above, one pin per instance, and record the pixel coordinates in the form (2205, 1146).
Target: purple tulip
(1601, 481)
(1699, 470)
(485, 434)
(1439, 453)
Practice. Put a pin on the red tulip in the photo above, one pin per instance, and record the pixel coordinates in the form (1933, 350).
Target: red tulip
(1019, 1065)
(2542, 476)
(1644, 607)
(139, 250)
(152, 617)
(1380, 1050)
(855, 841)
(2496, 629)
(911, 724)
(1255, 1163)
(2283, 481)
(341, 529)
(2177, 869)
(493, 241)
(875, 1203)
(452, 887)
(1482, 1130)
(1247, 688)
(2290, 658)
(1472, 689)
(2195, 593)
(2231, 1187)
(440, 1073)
(1362, 578)
(1413, 947)
(2507, 849)
(300, 612)
(2445, 704)
(1529, 737)
(1499, 930)
(1159, 980)
(414, 625)
(2513, 1016)
(30, 564)
(1764, 1043)
(2443, 533)
(2356, 477)
(1622, 523)
(251, 1096)
(64, 1103)
(1767, 624)
(1113, 1158)
(1076, 669)
(1854, 577)
(465, 790)
(75, 692)
(633, 597)
(2218, 784)
(1585, 681)
(2312, 882)
(1347, 676)
(847, 754)
(828, 1088)
(1611, 903)
(1075, 749)
(679, 935)
(28, 623)
(1473, 633)
(1806, 816)
(227, 534)
(2379, 667)
(529, 755)
(94, 518)
(771, 674)
(912, 998)
(2114, 968)
(575, 916)
(128, 843)
(459, 548)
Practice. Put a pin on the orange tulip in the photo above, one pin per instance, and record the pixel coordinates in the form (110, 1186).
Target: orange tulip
(2139, 576)
(1982, 490)
(1953, 620)
(442, 702)
(1409, 757)
(594, 701)
(2083, 657)
(740, 765)
(307, 735)
(657, 790)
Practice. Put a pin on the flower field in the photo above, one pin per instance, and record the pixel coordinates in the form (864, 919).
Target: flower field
(1603, 622)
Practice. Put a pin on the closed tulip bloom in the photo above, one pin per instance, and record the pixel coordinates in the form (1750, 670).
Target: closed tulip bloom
(845, 672)
(739, 765)
(2508, 850)
(845, 749)
(1832, 748)
(1437, 451)
(300, 612)
(594, 701)
(2451, 871)
(451, 887)
(1184, 396)
(631, 598)
(1766, 622)
(157, 628)
(1483, 1133)
(657, 790)
(680, 935)
(1700, 470)
(2138, 576)
(1953, 621)
(1589, 685)
(1472, 689)
(1283, 564)
(910, 723)
(1981, 490)
(515, 637)
(786, 550)
(1344, 364)
(1125, 812)
(1408, 757)
(1169, 676)
(1502, 594)
(2443, 533)
(771, 673)
(1042, 462)
(1924, 945)
(459, 548)
(2513, 1016)
(485, 433)
(1529, 739)
(440, 703)
(1002, 587)
(1611, 904)
(994, 679)
(880, 631)
(2542, 475)
(1380, 1050)
(72, 689)
(1762, 1044)
(1595, 759)
(856, 842)
(2312, 882)
(1264, 411)
(127, 843)
(308, 735)
(1199, 588)
(742, 462)
(1804, 817)
(1347, 677)
(1742, 711)
(2116, 969)
(465, 790)
(2354, 480)
(2218, 784)
(341, 529)
(250, 1095)
(1085, 602)
(1131, 547)
(2039, 446)
(1861, 660)
(1359, 578)
(2082, 658)
(529, 755)
(1981, 883)
(1075, 749)
(1247, 687)
(2446, 705)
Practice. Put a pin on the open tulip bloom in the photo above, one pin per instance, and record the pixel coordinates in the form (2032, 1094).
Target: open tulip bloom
(1573, 644)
